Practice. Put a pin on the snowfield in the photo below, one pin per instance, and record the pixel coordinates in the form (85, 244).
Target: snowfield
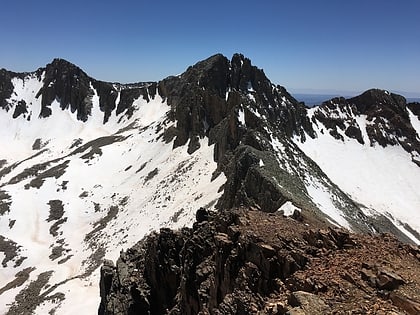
(381, 179)
(82, 192)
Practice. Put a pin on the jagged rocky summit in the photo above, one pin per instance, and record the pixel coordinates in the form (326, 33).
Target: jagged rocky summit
(118, 161)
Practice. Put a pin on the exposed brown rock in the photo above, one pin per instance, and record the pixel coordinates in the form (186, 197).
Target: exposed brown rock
(404, 303)
(307, 303)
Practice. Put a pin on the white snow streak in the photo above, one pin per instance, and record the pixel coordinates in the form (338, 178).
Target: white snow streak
(289, 208)
(415, 122)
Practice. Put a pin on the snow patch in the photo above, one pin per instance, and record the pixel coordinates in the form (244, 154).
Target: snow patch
(415, 122)
(289, 208)
(324, 200)
(362, 122)
(241, 116)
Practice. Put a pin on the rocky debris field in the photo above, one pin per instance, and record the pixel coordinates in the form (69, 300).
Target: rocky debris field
(251, 262)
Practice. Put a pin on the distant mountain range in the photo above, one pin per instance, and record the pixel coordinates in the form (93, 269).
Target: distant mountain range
(88, 168)
(317, 99)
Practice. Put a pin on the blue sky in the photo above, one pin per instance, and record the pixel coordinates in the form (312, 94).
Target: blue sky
(323, 45)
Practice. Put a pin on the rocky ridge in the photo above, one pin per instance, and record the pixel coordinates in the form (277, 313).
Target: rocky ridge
(387, 120)
(250, 262)
(73, 89)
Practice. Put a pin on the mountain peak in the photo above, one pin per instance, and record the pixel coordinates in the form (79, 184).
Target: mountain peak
(64, 66)
(61, 61)
(220, 73)
(376, 97)
(387, 116)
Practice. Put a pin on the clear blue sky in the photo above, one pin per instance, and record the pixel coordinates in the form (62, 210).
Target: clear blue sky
(323, 45)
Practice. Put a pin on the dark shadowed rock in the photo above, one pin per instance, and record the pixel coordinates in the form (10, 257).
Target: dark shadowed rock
(206, 99)
(201, 215)
(20, 109)
(6, 87)
(69, 85)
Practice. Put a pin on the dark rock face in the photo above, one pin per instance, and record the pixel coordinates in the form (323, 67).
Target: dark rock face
(207, 97)
(197, 96)
(130, 93)
(73, 89)
(67, 84)
(20, 109)
(415, 108)
(247, 185)
(157, 291)
(251, 262)
(211, 267)
(6, 87)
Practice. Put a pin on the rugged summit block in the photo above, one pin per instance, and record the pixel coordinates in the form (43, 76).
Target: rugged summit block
(69, 85)
(73, 89)
(210, 93)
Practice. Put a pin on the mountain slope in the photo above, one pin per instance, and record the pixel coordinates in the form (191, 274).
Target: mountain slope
(375, 144)
(91, 167)
(79, 191)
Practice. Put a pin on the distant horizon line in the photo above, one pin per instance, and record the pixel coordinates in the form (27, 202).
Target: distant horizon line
(346, 93)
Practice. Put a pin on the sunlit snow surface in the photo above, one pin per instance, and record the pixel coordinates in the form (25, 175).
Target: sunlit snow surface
(289, 208)
(124, 184)
(382, 179)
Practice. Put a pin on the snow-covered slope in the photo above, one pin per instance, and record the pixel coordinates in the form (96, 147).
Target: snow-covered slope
(382, 178)
(78, 192)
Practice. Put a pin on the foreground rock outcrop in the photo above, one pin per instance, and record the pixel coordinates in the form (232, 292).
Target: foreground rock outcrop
(252, 262)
